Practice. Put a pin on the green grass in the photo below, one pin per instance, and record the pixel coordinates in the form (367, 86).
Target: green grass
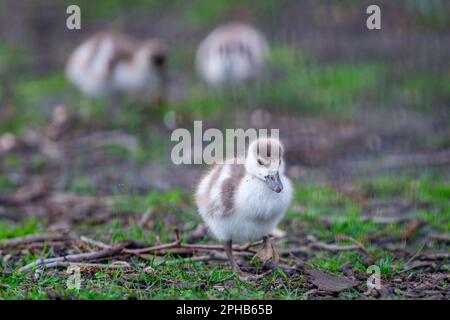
(115, 8)
(185, 280)
(302, 86)
(5, 184)
(210, 13)
(81, 185)
(333, 263)
(11, 57)
(9, 229)
(31, 89)
(202, 103)
(177, 277)
(328, 89)
(427, 188)
(431, 15)
(30, 94)
(421, 88)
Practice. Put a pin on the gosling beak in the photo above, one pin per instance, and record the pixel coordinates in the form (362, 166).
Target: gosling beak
(273, 182)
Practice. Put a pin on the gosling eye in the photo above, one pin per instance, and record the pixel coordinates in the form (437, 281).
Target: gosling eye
(158, 60)
(260, 162)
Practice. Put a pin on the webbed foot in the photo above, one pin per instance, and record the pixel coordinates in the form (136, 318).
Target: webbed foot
(267, 252)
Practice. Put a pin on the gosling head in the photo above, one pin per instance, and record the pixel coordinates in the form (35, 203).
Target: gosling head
(234, 57)
(152, 57)
(265, 161)
(153, 53)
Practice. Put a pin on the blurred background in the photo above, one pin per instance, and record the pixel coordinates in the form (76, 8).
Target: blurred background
(364, 114)
(348, 100)
(338, 90)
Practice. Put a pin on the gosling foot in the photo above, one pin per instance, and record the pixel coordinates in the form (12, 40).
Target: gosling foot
(267, 252)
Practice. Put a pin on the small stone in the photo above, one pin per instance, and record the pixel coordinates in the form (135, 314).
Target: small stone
(149, 271)
(7, 142)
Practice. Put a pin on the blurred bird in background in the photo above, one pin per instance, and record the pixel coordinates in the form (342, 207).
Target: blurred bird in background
(110, 64)
(231, 54)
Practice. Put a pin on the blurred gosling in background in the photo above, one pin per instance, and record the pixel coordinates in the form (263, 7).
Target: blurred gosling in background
(111, 64)
(231, 54)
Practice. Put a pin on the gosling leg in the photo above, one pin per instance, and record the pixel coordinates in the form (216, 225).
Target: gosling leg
(229, 251)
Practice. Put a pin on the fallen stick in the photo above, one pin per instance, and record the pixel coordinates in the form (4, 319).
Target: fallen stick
(333, 247)
(377, 235)
(30, 239)
(105, 253)
(94, 242)
(173, 250)
(435, 256)
(32, 191)
(385, 220)
(418, 264)
(87, 267)
(440, 236)
(146, 217)
(68, 198)
(411, 228)
(153, 248)
(355, 242)
(102, 138)
(304, 250)
(315, 244)
(187, 248)
(217, 247)
(47, 244)
(207, 257)
(111, 251)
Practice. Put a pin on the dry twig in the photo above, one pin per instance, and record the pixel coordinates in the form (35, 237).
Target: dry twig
(94, 242)
(355, 242)
(146, 217)
(435, 256)
(385, 220)
(89, 267)
(315, 244)
(411, 228)
(440, 236)
(35, 189)
(90, 256)
(31, 239)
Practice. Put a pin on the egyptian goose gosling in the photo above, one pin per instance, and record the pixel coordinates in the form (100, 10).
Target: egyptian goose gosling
(112, 63)
(244, 202)
(231, 54)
